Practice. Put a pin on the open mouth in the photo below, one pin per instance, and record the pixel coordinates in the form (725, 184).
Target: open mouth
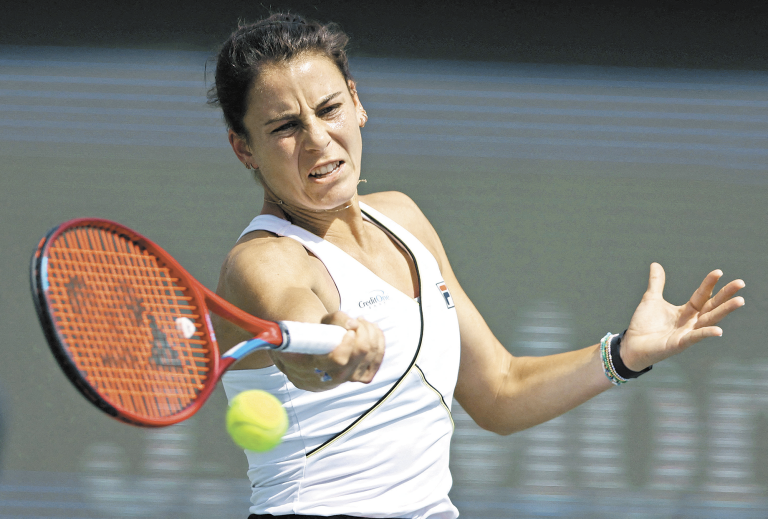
(324, 171)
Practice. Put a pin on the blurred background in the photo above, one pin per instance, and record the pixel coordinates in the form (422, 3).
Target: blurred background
(558, 148)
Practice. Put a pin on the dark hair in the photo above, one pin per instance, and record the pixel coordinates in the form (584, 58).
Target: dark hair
(279, 38)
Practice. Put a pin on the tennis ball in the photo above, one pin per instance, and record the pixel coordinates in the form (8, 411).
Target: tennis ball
(256, 420)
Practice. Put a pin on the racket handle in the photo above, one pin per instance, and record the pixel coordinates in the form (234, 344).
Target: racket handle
(313, 339)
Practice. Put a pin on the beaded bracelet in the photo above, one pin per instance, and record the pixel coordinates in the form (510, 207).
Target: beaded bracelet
(613, 366)
(608, 369)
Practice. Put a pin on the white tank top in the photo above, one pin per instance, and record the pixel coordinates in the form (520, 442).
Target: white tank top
(370, 450)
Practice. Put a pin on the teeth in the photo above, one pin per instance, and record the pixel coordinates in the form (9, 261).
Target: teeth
(324, 170)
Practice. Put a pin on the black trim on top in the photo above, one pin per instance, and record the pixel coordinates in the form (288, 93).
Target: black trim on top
(433, 388)
(413, 361)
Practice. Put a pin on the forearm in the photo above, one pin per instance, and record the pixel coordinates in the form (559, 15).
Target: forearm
(533, 390)
(542, 388)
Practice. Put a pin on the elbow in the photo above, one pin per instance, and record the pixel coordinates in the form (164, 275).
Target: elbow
(496, 424)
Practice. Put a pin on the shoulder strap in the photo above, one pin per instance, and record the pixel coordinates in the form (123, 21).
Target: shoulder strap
(266, 222)
(273, 224)
(346, 272)
(419, 251)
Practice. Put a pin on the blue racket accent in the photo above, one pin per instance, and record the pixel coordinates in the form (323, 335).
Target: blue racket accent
(244, 348)
(44, 273)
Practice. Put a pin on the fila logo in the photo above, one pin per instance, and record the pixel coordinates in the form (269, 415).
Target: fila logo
(446, 294)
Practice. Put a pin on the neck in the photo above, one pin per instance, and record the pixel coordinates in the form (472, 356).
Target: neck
(339, 223)
(317, 211)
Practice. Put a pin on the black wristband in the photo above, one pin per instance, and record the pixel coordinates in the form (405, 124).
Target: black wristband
(618, 365)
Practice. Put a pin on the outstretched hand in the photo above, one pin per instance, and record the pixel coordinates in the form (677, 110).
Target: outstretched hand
(659, 329)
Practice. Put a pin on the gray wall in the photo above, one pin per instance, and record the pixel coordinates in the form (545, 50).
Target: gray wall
(553, 187)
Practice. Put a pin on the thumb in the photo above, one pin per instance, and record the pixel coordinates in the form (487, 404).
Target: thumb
(656, 280)
(340, 319)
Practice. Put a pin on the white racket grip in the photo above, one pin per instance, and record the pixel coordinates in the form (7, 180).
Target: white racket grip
(313, 339)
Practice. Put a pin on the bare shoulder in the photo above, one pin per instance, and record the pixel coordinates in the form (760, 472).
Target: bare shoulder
(398, 206)
(258, 265)
(264, 249)
(390, 201)
(404, 211)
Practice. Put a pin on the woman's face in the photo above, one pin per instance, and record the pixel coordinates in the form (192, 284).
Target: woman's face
(304, 133)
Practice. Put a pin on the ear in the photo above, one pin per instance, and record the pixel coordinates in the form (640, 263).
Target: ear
(242, 149)
(352, 86)
(362, 116)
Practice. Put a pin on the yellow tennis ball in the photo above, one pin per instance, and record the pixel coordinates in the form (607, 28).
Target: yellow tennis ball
(256, 420)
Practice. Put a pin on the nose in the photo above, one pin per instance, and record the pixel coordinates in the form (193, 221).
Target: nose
(317, 137)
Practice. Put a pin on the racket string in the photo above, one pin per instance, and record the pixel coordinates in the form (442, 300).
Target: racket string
(120, 322)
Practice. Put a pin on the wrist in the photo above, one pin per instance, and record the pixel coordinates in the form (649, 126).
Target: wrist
(613, 364)
(618, 358)
(631, 361)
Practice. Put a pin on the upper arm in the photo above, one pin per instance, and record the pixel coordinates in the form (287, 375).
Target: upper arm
(486, 365)
(501, 392)
(271, 278)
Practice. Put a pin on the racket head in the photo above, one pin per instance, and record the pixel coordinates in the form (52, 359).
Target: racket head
(126, 323)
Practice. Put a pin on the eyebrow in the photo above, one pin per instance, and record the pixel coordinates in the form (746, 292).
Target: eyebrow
(288, 115)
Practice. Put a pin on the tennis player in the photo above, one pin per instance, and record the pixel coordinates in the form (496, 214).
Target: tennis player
(370, 423)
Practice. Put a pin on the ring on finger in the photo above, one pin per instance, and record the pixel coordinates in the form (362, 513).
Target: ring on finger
(324, 376)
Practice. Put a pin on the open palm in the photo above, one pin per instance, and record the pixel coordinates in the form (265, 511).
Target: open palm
(659, 329)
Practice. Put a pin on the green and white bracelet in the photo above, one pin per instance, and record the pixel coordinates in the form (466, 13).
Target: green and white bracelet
(613, 367)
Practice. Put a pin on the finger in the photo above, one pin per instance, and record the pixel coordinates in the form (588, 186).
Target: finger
(373, 360)
(352, 324)
(364, 374)
(725, 293)
(717, 314)
(656, 280)
(345, 359)
(344, 352)
(699, 334)
(341, 354)
(704, 292)
(337, 318)
(369, 353)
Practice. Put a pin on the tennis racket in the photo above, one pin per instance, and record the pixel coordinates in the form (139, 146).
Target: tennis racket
(131, 328)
